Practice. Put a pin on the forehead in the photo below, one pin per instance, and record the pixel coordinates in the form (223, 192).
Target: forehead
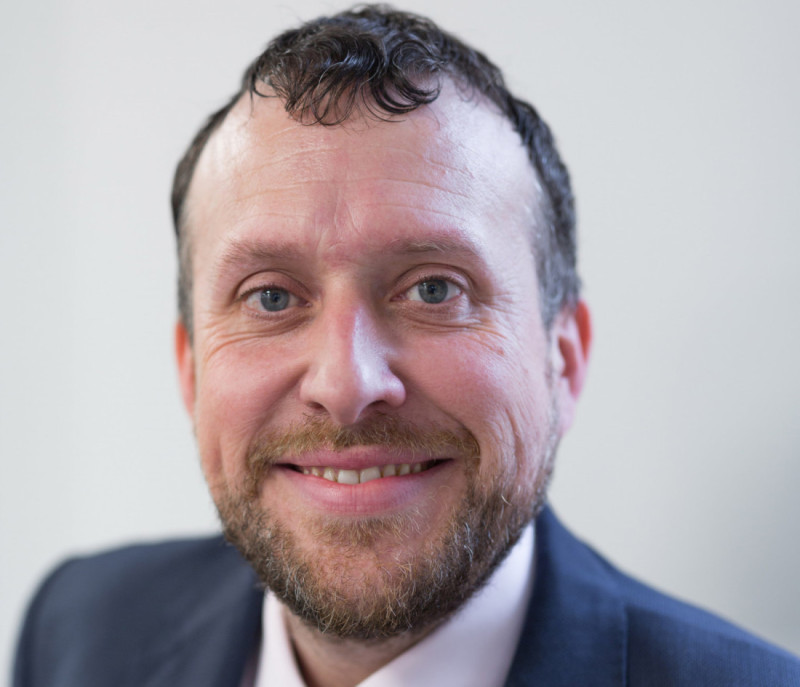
(450, 165)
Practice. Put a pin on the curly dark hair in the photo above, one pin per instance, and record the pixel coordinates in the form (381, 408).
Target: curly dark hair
(380, 62)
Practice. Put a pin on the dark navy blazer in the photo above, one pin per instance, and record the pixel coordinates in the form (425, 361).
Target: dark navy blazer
(188, 614)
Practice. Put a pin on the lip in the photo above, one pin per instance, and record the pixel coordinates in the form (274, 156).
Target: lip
(378, 497)
(356, 458)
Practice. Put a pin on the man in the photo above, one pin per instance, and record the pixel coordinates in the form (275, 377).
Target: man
(381, 342)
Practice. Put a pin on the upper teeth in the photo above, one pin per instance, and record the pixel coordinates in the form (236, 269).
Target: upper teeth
(367, 474)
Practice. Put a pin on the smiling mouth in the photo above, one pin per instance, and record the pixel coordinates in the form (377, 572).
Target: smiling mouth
(343, 476)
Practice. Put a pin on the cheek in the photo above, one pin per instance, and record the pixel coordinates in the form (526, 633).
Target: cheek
(498, 390)
(239, 392)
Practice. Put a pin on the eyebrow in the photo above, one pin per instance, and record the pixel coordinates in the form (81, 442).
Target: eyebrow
(249, 252)
(444, 246)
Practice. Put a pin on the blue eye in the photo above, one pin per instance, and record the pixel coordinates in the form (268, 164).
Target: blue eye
(271, 299)
(433, 291)
(274, 299)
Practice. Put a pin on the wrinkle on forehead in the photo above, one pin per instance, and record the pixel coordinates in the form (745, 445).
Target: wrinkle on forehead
(341, 173)
(244, 251)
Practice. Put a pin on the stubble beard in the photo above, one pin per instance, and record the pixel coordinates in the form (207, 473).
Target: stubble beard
(358, 593)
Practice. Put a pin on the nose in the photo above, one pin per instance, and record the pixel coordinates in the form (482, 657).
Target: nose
(349, 371)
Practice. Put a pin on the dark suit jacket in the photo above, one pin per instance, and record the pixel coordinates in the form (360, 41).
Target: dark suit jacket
(188, 614)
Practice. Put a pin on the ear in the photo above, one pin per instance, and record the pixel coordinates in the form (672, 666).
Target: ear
(185, 359)
(570, 341)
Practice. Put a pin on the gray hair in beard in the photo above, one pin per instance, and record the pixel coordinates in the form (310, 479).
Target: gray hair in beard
(410, 595)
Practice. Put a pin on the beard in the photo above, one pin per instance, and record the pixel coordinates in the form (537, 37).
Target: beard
(344, 587)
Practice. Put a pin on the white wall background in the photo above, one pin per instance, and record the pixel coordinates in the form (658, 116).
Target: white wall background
(680, 123)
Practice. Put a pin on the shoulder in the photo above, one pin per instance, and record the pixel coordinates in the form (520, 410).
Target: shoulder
(663, 641)
(590, 622)
(669, 637)
(130, 579)
(100, 610)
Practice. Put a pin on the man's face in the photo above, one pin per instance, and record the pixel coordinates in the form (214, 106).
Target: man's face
(375, 398)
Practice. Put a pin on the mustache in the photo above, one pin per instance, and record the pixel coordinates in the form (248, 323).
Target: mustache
(387, 431)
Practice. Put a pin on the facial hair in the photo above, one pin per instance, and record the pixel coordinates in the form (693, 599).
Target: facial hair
(359, 595)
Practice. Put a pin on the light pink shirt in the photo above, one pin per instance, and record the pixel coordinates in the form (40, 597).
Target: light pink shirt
(474, 648)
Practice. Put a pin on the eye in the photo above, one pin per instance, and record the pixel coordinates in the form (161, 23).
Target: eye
(433, 291)
(271, 299)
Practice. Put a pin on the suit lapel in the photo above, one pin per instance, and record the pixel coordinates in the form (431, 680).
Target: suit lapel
(210, 632)
(575, 632)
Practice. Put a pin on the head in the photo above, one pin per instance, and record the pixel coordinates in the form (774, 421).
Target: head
(385, 63)
(381, 340)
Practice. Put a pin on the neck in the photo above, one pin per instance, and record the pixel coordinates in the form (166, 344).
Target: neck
(327, 661)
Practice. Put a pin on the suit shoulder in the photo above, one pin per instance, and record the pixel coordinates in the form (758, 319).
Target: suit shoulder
(125, 574)
(143, 591)
(655, 640)
(669, 637)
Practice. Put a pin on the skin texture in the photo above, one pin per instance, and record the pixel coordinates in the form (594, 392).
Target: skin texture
(348, 221)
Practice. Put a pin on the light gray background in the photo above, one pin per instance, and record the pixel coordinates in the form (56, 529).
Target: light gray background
(679, 121)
